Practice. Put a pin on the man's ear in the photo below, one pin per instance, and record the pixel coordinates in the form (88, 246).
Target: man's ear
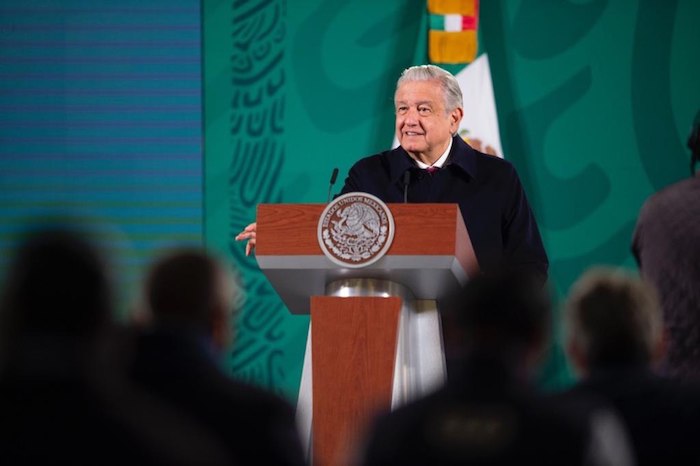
(535, 351)
(221, 333)
(577, 357)
(455, 118)
(658, 351)
(139, 317)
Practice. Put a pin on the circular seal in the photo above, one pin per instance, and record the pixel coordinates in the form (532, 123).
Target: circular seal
(355, 230)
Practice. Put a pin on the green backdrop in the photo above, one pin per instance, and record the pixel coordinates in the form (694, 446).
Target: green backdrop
(595, 100)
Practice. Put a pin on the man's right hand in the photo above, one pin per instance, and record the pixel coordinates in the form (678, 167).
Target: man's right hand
(248, 233)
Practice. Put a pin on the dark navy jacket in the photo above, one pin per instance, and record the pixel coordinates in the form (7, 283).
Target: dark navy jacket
(661, 414)
(498, 217)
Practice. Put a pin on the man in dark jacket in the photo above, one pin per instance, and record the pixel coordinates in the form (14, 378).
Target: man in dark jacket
(615, 334)
(432, 164)
(190, 296)
(667, 249)
(489, 413)
(63, 398)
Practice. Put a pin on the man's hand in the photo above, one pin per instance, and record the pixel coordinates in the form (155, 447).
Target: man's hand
(248, 233)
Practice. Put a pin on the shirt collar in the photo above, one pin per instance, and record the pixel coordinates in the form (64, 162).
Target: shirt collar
(439, 162)
(459, 154)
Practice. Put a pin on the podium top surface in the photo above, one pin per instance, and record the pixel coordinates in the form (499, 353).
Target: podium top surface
(431, 253)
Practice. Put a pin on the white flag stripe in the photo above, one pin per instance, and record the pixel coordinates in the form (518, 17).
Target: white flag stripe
(453, 23)
(480, 115)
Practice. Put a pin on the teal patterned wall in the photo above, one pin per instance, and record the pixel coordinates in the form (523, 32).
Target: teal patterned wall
(595, 100)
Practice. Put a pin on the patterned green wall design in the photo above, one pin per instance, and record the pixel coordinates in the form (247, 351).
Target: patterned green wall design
(246, 156)
(595, 100)
(592, 125)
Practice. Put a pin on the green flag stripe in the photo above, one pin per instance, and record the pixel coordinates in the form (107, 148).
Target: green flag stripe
(437, 22)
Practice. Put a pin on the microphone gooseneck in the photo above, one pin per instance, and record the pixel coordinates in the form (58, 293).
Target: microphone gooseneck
(334, 176)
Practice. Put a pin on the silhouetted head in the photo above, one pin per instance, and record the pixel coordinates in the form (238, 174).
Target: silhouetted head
(613, 320)
(57, 296)
(505, 315)
(57, 284)
(189, 288)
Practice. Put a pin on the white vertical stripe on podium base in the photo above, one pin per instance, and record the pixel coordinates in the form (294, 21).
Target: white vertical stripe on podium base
(305, 400)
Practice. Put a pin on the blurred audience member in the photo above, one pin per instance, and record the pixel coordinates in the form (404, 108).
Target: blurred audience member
(489, 413)
(190, 296)
(666, 245)
(61, 400)
(615, 335)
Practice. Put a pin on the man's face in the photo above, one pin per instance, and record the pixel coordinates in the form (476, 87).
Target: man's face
(423, 127)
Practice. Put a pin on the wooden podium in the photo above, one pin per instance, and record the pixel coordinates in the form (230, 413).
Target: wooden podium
(374, 339)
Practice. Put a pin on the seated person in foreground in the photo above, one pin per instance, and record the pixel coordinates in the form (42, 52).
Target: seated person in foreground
(63, 397)
(615, 336)
(190, 297)
(489, 412)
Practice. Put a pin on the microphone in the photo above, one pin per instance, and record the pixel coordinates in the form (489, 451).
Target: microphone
(406, 182)
(334, 176)
(694, 144)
